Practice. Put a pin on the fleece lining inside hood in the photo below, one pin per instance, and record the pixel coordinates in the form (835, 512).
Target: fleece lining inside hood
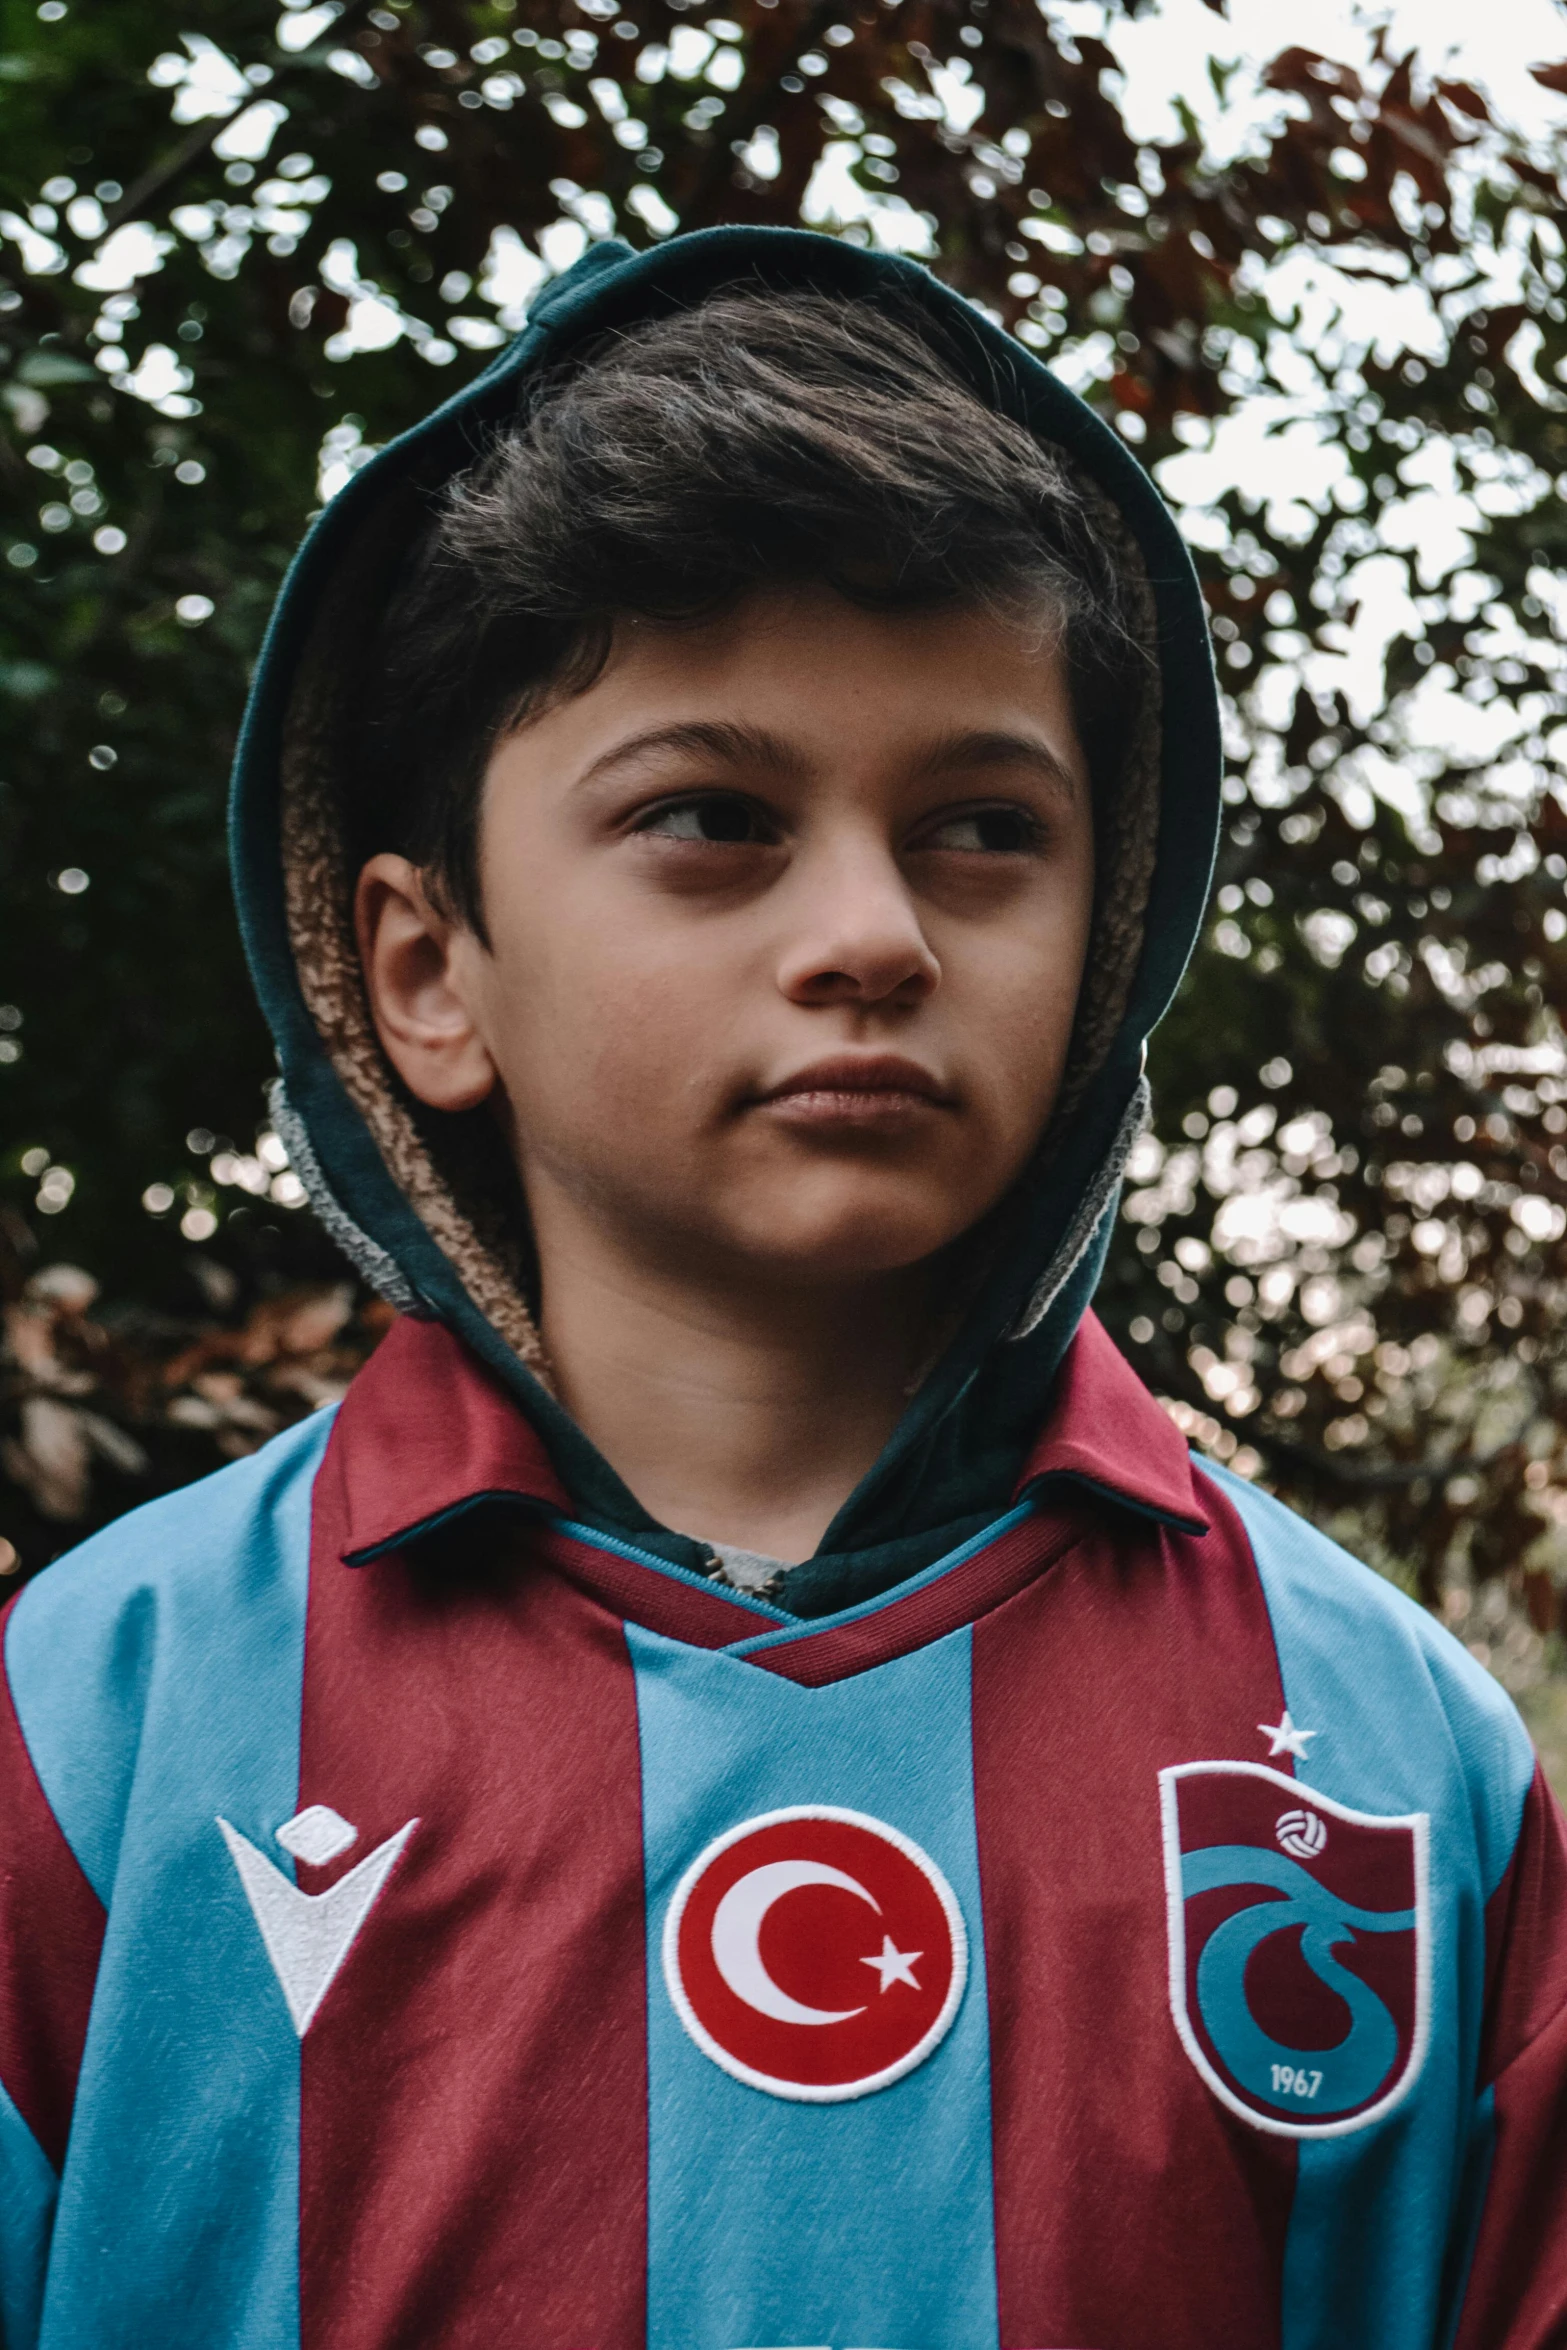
(426, 1204)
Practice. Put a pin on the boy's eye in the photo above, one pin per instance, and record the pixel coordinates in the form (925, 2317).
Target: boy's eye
(1003, 831)
(714, 816)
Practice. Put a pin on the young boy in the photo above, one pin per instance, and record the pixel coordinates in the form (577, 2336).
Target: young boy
(746, 1790)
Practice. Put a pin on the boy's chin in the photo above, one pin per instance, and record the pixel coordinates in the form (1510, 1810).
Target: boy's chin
(857, 1242)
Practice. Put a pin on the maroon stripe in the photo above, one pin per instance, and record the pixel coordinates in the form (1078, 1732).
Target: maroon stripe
(51, 1933)
(957, 1597)
(1517, 2291)
(703, 1619)
(1526, 1935)
(646, 1595)
(1131, 2207)
(474, 2128)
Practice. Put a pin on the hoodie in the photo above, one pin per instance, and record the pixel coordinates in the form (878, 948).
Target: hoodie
(403, 1189)
(1093, 1911)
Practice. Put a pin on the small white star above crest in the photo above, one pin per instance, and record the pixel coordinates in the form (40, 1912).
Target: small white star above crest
(1286, 1739)
(894, 1965)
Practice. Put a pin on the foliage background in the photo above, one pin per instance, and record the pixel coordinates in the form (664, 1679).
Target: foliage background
(239, 247)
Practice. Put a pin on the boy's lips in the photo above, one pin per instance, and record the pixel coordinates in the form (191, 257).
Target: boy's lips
(857, 1089)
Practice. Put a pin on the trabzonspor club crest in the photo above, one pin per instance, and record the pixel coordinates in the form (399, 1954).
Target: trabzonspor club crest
(1300, 1947)
(815, 1953)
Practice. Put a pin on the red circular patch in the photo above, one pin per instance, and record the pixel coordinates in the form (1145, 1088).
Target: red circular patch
(815, 1953)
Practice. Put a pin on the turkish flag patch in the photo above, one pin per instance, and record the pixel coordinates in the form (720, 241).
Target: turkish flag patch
(815, 1953)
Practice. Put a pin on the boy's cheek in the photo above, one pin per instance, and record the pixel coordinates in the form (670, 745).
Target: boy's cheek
(606, 1007)
(605, 1071)
(626, 1035)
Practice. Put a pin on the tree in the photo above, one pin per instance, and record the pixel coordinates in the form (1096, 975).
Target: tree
(236, 261)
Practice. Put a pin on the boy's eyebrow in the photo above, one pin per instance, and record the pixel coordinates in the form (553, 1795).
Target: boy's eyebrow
(755, 747)
(750, 746)
(998, 747)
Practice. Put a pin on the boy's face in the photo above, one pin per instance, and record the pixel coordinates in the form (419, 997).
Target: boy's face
(787, 914)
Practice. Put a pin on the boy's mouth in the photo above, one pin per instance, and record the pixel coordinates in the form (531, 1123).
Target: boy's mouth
(860, 1090)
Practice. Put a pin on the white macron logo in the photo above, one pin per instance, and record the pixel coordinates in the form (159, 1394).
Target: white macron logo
(307, 1936)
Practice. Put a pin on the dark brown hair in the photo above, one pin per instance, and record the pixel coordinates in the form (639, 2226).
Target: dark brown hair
(670, 470)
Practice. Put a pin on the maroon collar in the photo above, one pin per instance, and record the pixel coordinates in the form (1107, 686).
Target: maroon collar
(1105, 1430)
(425, 1431)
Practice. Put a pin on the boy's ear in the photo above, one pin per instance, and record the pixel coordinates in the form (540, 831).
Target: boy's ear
(417, 965)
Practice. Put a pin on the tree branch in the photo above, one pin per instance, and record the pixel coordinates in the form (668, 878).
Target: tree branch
(173, 166)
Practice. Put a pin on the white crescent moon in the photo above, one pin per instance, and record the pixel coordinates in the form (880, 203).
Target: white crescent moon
(737, 1926)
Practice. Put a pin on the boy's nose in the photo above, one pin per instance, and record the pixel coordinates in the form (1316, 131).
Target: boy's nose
(858, 937)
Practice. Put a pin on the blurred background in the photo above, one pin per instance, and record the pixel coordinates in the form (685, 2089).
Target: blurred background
(1318, 287)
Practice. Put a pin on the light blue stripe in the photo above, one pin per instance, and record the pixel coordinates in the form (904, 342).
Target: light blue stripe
(772, 2222)
(796, 1630)
(28, 2189)
(1405, 1721)
(1477, 2178)
(157, 1675)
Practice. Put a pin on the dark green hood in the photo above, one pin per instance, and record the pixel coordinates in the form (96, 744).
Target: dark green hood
(402, 1190)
